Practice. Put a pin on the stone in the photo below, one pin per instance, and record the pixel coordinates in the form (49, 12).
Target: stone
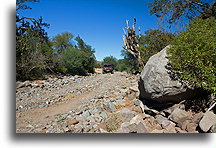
(156, 131)
(103, 115)
(137, 119)
(141, 128)
(90, 119)
(213, 128)
(137, 102)
(73, 122)
(185, 124)
(164, 122)
(122, 130)
(197, 117)
(20, 84)
(132, 128)
(207, 121)
(179, 130)
(29, 126)
(127, 115)
(86, 114)
(110, 107)
(170, 128)
(158, 83)
(191, 128)
(102, 126)
(103, 131)
(125, 124)
(137, 109)
(179, 116)
(134, 88)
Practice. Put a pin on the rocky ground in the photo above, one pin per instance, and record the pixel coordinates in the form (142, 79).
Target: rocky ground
(100, 103)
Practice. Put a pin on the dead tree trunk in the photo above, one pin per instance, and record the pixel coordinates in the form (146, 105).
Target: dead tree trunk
(131, 42)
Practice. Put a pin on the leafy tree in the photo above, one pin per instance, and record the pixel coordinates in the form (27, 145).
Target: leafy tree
(75, 61)
(152, 42)
(173, 10)
(110, 60)
(123, 65)
(33, 49)
(89, 51)
(61, 42)
(21, 4)
(192, 55)
(129, 63)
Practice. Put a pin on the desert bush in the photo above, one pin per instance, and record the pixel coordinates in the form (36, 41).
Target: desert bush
(192, 55)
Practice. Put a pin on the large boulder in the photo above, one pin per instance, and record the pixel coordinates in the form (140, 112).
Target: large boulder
(157, 82)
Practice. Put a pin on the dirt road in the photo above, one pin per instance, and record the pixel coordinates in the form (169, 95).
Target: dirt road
(39, 102)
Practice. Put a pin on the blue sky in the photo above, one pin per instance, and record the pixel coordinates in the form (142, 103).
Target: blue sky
(98, 22)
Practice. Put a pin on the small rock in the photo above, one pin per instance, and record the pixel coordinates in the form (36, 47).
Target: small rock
(164, 122)
(103, 131)
(207, 121)
(137, 109)
(127, 115)
(86, 114)
(137, 119)
(191, 128)
(103, 115)
(42, 105)
(132, 128)
(134, 88)
(213, 128)
(184, 124)
(157, 131)
(141, 128)
(197, 117)
(19, 84)
(29, 126)
(179, 130)
(179, 116)
(90, 119)
(170, 128)
(102, 126)
(109, 107)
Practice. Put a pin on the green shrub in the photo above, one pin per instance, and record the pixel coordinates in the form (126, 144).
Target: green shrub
(75, 61)
(192, 55)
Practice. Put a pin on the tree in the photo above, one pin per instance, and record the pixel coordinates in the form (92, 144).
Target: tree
(110, 60)
(172, 10)
(89, 51)
(153, 42)
(33, 49)
(61, 42)
(129, 63)
(75, 61)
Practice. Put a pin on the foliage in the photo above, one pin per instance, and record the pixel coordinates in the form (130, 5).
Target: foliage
(193, 54)
(20, 4)
(110, 60)
(75, 61)
(173, 10)
(129, 63)
(152, 42)
(61, 42)
(33, 49)
(89, 52)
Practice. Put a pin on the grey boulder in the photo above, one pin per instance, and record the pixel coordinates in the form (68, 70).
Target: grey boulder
(158, 84)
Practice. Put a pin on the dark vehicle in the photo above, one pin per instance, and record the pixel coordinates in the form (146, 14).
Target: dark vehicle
(108, 68)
